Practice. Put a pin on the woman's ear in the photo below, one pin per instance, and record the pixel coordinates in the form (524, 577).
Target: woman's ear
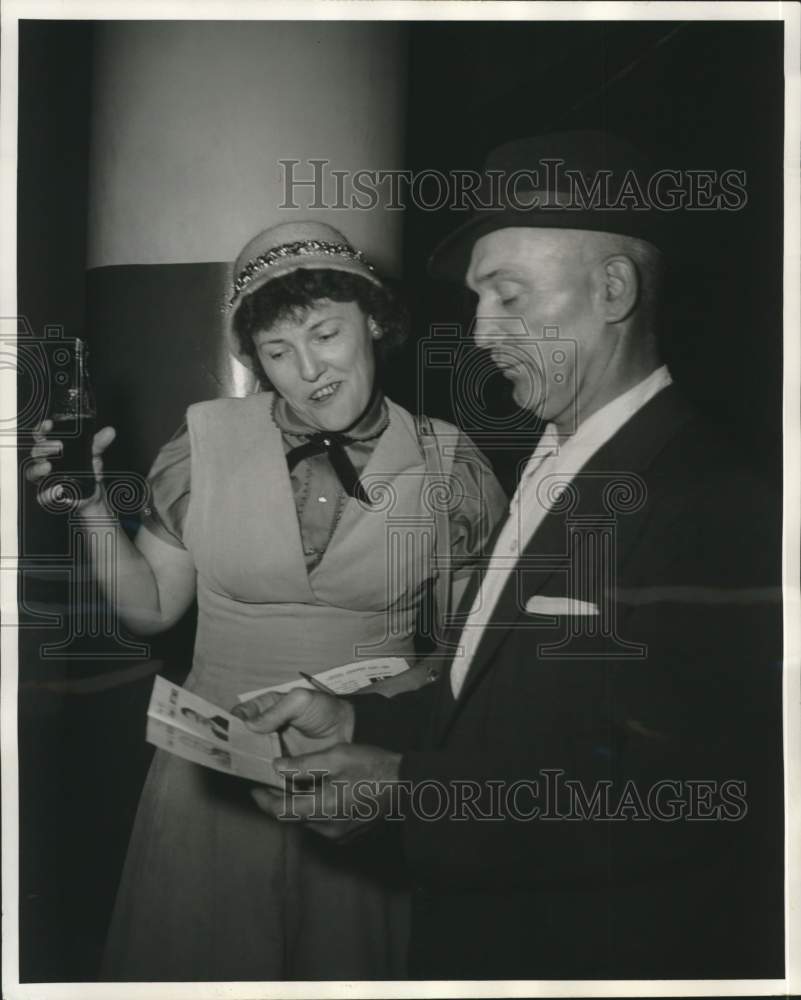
(375, 330)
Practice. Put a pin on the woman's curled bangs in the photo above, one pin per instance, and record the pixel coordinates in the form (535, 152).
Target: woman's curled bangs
(294, 294)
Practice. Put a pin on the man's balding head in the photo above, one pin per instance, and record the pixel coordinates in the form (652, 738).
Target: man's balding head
(567, 315)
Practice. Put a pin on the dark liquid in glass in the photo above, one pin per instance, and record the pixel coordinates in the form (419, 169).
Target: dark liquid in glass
(76, 457)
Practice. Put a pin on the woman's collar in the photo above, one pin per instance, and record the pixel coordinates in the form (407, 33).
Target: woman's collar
(372, 422)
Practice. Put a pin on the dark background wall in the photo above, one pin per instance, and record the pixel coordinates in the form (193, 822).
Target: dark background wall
(692, 95)
(696, 95)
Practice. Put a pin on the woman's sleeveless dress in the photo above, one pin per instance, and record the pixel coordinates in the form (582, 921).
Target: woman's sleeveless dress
(212, 888)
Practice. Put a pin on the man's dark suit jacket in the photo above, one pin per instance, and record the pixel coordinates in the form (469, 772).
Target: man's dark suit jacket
(680, 683)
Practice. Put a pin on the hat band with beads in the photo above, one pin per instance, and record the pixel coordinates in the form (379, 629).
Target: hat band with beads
(286, 252)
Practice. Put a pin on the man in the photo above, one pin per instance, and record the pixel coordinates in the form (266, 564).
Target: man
(592, 787)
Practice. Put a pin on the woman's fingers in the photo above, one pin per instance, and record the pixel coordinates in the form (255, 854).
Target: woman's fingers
(41, 430)
(37, 470)
(102, 440)
(45, 445)
(104, 437)
(46, 448)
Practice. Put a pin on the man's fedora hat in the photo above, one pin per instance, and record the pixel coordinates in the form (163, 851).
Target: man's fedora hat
(568, 180)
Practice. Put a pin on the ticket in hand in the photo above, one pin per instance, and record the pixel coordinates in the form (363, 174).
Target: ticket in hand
(347, 679)
(197, 730)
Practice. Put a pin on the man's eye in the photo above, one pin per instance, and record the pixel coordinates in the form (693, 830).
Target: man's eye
(508, 294)
(275, 355)
(329, 335)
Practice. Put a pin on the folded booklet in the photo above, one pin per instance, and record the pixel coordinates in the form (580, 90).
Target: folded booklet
(196, 730)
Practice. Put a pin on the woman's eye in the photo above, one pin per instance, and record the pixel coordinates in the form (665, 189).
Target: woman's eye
(329, 335)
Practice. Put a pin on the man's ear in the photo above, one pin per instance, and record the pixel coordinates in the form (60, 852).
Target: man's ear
(620, 287)
(375, 330)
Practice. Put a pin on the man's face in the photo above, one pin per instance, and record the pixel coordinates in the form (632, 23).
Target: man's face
(537, 287)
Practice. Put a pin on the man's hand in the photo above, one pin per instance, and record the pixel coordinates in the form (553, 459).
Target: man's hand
(307, 721)
(411, 679)
(336, 792)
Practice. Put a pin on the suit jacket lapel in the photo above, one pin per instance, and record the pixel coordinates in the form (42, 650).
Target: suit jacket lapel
(629, 451)
(530, 576)
(444, 703)
(547, 538)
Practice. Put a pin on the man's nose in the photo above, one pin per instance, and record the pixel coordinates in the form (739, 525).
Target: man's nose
(487, 332)
(310, 365)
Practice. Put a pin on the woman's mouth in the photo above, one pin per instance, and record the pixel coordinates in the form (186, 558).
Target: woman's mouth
(325, 392)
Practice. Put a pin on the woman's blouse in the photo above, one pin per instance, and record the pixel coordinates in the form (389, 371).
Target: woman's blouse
(320, 497)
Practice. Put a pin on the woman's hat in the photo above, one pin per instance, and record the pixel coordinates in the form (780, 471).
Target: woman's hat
(587, 180)
(281, 249)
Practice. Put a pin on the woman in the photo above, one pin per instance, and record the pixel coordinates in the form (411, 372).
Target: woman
(281, 514)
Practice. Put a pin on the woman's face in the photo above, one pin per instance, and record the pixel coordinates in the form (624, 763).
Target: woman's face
(322, 362)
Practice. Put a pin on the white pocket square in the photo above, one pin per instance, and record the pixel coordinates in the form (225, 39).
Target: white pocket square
(541, 605)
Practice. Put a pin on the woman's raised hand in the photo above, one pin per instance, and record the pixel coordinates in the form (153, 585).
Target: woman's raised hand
(47, 448)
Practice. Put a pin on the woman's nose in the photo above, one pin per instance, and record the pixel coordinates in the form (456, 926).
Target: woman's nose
(310, 366)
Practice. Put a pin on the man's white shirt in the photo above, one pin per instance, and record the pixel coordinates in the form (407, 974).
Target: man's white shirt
(527, 508)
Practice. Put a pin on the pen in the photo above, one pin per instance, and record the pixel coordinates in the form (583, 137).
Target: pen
(318, 684)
